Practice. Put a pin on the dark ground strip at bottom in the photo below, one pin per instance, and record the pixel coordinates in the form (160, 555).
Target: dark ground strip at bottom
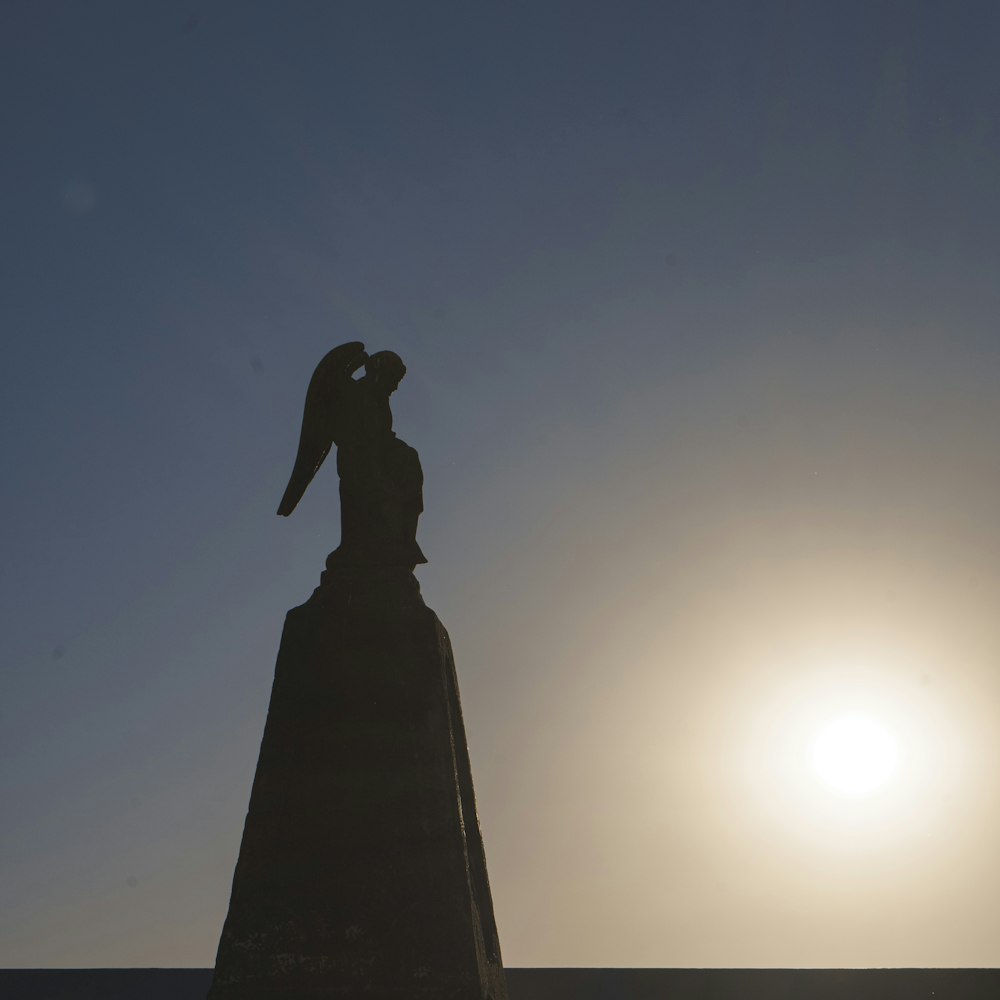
(560, 984)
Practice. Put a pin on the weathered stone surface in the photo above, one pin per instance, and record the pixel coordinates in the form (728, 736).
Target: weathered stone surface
(362, 871)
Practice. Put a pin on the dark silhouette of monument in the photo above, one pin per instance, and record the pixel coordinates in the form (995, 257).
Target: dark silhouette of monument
(362, 871)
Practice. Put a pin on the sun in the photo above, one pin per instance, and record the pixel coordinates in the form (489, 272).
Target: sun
(855, 754)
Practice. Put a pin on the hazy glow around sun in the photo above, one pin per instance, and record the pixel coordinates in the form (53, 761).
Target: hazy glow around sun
(849, 754)
(854, 754)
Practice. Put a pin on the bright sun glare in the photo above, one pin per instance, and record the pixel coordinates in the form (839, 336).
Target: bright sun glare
(855, 754)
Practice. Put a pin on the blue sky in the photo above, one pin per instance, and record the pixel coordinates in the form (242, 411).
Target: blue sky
(698, 302)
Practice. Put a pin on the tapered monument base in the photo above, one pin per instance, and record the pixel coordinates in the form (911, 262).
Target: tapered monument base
(362, 871)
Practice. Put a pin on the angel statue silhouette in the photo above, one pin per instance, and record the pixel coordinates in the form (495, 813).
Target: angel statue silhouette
(381, 482)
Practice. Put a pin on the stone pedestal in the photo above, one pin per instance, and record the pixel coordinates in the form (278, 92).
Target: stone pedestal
(362, 872)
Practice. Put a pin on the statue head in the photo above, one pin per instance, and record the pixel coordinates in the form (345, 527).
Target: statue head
(385, 369)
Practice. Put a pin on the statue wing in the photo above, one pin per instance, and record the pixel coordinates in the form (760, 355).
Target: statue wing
(321, 418)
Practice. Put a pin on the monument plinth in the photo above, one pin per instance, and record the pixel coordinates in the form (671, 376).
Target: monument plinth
(362, 871)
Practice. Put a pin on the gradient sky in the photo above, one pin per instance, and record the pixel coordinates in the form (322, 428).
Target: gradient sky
(699, 304)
